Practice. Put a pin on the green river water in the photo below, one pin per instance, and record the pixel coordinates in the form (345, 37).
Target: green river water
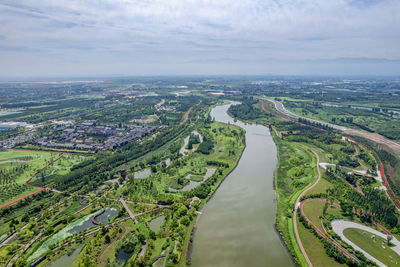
(237, 224)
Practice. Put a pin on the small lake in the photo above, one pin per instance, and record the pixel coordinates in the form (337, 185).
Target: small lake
(145, 173)
(156, 223)
(192, 184)
(123, 256)
(66, 260)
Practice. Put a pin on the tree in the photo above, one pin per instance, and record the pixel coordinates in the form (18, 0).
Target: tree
(389, 238)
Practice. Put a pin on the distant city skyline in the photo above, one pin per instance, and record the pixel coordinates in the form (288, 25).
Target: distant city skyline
(199, 37)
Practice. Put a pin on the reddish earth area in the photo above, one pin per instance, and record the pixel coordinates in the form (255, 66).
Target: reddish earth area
(186, 116)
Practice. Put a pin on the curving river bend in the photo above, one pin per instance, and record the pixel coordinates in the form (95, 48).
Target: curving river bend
(237, 224)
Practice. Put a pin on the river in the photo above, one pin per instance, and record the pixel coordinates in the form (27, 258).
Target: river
(236, 227)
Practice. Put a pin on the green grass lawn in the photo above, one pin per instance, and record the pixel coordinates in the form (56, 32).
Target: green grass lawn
(109, 253)
(314, 210)
(321, 187)
(35, 160)
(11, 193)
(196, 178)
(315, 249)
(377, 247)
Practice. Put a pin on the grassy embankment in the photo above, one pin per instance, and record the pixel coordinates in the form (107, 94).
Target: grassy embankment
(374, 245)
(295, 172)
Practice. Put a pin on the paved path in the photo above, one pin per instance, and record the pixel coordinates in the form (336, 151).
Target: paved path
(338, 226)
(143, 250)
(16, 256)
(128, 210)
(11, 237)
(297, 204)
(186, 115)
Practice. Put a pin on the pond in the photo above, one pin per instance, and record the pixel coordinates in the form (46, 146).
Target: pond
(156, 223)
(66, 260)
(192, 184)
(123, 256)
(142, 174)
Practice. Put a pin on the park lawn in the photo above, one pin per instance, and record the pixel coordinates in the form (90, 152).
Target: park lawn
(196, 178)
(321, 187)
(10, 195)
(324, 156)
(72, 207)
(314, 248)
(39, 161)
(4, 256)
(157, 247)
(109, 253)
(314, 210)
(363, 240)
(60, 167)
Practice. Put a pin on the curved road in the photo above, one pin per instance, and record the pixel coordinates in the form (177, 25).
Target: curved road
(338, 226)
(371, 136)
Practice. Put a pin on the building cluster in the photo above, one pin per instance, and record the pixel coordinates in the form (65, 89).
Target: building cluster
(18, 139)
(89, 136)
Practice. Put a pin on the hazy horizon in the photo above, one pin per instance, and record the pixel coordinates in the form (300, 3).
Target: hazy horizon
(202, 37)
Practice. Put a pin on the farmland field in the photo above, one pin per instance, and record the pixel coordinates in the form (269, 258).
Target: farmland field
(16, 167)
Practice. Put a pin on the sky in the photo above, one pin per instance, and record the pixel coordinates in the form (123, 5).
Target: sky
(44, 38)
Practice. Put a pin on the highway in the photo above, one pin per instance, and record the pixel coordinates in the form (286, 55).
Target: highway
(377, 138)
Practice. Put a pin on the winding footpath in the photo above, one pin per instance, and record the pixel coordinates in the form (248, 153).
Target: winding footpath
(297, 205)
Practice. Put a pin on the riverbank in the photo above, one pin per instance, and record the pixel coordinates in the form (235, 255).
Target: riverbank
(188, 242)
(237, 224)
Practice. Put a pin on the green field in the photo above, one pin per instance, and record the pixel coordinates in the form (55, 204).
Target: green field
(376, 247)
(314, 248)
(313, 210)
(16, 167)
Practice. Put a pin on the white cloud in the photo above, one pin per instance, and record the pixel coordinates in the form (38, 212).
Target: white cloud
(159, 32)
